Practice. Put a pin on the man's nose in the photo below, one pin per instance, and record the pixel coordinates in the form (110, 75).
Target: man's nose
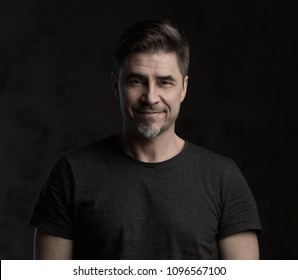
(151, 95)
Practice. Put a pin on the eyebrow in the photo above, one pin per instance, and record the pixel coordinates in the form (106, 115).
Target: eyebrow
(141, 76)
(134, 75)
(166, 78)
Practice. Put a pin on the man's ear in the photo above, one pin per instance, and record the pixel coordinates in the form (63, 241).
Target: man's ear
(114, 80)
(184, 89)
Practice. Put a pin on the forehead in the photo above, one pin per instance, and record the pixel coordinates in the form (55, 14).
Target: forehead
(158, 63)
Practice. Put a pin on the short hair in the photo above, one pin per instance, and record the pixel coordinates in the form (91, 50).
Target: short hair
(153, 36)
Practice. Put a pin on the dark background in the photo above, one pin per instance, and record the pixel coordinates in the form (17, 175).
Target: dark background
(55, 95)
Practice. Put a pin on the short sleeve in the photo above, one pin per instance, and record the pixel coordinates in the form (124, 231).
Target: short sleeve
(239, 210)
(53, 210)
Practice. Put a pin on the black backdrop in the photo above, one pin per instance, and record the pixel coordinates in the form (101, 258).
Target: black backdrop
(55, 94)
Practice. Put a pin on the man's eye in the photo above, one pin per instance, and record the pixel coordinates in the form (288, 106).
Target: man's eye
(165, 83)
(135, 82)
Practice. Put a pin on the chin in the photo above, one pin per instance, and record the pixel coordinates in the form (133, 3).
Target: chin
(149, 133)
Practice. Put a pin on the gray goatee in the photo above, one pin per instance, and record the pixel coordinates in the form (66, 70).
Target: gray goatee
(147, 130)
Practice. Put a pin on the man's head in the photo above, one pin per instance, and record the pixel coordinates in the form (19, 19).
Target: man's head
(153, 37)
(150, 78)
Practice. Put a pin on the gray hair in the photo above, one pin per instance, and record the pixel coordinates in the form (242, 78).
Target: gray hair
(153, 36)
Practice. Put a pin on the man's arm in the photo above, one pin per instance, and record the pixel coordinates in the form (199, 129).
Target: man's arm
(50, 247)
(239, 246)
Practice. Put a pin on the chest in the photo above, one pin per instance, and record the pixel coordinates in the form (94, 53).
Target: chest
(145, 203)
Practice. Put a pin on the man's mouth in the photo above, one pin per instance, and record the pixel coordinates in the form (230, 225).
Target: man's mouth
(148, 113)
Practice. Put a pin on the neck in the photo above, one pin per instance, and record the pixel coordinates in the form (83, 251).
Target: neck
(157, 149)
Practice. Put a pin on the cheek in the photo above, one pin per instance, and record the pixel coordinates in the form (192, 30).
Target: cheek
(130, 95)
(173, 102)
(127, 102)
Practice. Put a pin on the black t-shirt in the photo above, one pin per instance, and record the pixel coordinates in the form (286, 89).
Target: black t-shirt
(115, 207)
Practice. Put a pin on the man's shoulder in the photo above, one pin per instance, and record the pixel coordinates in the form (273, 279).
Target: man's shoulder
(101, 148)
(211, 164)
(207, 157)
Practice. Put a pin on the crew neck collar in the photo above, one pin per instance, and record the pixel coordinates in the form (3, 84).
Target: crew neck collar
(151, 164)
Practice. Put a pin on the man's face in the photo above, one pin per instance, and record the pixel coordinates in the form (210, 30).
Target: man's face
(150, 89)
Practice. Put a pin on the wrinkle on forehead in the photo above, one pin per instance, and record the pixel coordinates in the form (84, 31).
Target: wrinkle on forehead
(157, 64)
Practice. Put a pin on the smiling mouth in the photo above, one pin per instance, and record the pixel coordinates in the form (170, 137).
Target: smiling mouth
(149, 113)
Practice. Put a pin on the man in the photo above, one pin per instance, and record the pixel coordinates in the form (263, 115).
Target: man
(146, 193)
